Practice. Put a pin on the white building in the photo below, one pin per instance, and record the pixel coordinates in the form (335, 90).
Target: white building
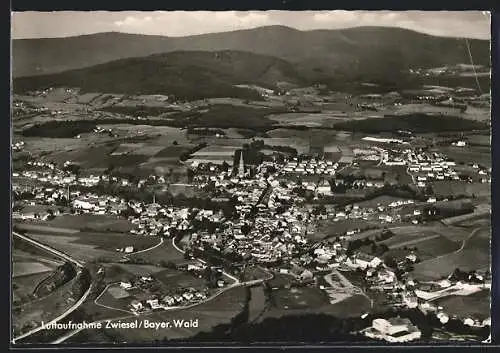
(125, 285)
(393, 330)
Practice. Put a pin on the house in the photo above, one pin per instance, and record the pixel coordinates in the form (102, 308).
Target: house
(136, 305)
(129, 249)
(306, 275)
(393, 330)
(364, 261)
(386, 276)
(168, 300)
(125, 285)
(412, 258)
(411, 301)
(443, 317)
(153, 303)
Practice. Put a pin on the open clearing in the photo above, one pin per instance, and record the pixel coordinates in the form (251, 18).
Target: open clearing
(28, 268)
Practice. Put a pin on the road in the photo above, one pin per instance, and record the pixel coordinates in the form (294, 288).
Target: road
(69, 310)
(237, 283)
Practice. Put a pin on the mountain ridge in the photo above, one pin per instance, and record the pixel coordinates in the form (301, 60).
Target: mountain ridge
(327, 50)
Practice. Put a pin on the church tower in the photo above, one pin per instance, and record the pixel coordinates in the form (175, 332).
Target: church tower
(241, 167)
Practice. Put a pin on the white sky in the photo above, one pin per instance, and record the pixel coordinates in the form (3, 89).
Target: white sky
(471, 24)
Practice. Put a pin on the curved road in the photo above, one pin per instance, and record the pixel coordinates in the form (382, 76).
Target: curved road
(237, 283)
(69, 310)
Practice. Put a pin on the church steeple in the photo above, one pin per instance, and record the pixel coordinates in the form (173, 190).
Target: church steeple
(241, 167)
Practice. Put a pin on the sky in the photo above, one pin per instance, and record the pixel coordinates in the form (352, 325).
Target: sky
(469, 24)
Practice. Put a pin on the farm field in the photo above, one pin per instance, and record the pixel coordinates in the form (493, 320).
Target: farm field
(29, 268)
(481, 155)
(353, 306)
(24, 286)
(309, 119)
(116, 298)
(166, 252)
(92, 222)
(476, 305)
(438, 246)
(87, 246)
(298, 298)
(257, 303)
(331, 228)
(44, 309)
(474, 255)
(453, 188)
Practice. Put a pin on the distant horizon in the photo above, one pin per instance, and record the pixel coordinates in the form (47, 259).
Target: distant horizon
(238, 30)
(178, 24)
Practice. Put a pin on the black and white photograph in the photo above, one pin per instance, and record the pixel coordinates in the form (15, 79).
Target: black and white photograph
(250, 177)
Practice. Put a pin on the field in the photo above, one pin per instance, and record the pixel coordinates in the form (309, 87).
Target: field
(139, 270)
(28, 268)
(473, 255)
(353, 306)
(309, 119)
(298, 298)
(438, 246)
(453, 188)
(102, 223)
(330, 228)
(166, 252)
(481, 155)
(87, 246)
(477, 305)
(44, 309)
(257, 303)
(174, 280)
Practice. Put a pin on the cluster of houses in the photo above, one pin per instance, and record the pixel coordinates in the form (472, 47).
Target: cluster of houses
(18, 146)
(310, 167)
(181, 297)
(426, 167)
